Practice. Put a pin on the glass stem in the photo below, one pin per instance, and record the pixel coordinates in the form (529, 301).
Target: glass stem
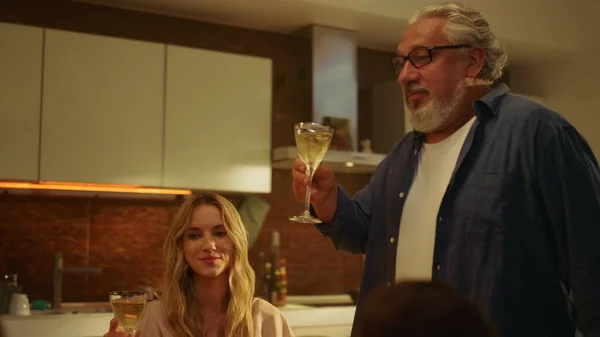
(309, 173)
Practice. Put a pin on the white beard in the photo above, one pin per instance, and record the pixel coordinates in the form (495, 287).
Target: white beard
(436, 113)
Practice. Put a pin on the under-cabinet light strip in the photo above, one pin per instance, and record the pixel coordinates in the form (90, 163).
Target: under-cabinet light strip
(61, 186)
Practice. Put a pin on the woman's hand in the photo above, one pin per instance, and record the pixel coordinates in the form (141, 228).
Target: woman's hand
(112, 330)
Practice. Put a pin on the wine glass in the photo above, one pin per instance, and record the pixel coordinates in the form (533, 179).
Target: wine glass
(312, 141)
(129, 308)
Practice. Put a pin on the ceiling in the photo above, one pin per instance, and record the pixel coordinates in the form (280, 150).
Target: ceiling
(532, 30)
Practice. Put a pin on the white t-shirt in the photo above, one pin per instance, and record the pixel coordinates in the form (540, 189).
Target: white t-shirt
(416, 238)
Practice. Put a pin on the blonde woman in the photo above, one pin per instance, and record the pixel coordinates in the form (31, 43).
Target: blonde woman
(209, 283)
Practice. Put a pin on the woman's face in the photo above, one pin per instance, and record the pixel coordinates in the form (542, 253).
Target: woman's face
(208, 248)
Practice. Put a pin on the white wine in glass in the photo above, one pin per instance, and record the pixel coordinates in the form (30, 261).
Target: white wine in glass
(312, 142)
(129, 308)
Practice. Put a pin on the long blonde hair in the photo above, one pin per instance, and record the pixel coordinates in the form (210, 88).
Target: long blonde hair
(178, 299)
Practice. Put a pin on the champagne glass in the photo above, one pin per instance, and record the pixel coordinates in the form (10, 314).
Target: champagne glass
(312, 141)
(129, 308)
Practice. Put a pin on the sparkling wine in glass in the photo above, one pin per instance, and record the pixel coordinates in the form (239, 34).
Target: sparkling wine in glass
(129, 308)
(312, 142)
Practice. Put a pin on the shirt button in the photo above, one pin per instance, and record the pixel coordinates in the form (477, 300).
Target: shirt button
(437, 266)
(392, 240)
(401, 195)
(389, 284)
(440, 218)
(415, 153)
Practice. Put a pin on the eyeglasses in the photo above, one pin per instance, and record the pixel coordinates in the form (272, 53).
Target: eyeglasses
(420, 57)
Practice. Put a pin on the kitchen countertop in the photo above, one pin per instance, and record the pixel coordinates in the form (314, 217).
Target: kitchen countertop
(305, 321)
(86, 308)
(332, 299)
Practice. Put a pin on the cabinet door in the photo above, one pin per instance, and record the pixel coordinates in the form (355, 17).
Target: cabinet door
(21, 50)
(387, 115)
(218, 121)
(103, 107)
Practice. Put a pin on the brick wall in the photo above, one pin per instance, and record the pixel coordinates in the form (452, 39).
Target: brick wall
(124, 237)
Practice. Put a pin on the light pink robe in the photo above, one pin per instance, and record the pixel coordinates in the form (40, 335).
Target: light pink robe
(268, 321)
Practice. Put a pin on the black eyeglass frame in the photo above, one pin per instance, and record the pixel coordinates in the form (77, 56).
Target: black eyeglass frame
(398, 69)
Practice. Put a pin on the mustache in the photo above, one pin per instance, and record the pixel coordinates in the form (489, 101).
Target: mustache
(413, 88)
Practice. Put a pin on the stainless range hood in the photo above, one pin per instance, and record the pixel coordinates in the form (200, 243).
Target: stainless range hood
(335, 94)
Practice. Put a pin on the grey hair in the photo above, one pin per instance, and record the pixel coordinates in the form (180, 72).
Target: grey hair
(465, 25)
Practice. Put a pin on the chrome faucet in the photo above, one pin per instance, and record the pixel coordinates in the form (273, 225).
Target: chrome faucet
(58, 272)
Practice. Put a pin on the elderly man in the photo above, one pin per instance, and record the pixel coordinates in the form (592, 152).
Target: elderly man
(492, 193)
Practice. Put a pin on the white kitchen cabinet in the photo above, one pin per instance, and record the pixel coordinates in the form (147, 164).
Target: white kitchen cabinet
(388, 115)
(218, 121)
(103, 109)
(21, 49)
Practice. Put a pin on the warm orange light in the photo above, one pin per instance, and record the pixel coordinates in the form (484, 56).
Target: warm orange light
(66, 186)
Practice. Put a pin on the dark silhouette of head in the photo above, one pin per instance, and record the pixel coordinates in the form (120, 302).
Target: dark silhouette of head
(421, 309)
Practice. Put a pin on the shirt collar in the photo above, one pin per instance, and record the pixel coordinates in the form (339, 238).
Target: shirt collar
(490, 103)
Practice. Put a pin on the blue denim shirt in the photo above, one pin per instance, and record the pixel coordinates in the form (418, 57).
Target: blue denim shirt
(518, 229)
